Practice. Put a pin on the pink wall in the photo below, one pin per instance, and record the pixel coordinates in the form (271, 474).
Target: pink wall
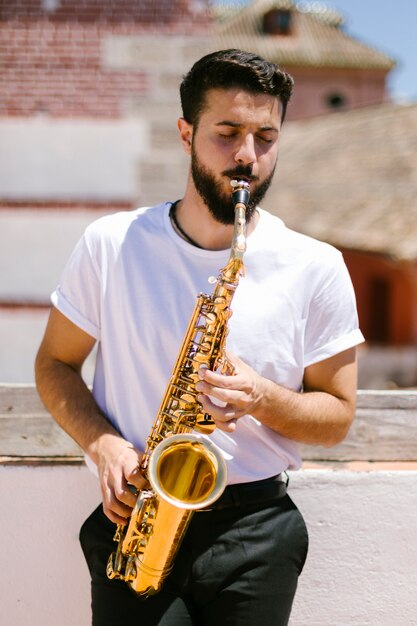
(313, 86)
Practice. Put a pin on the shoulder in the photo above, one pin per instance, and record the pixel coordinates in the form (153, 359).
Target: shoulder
(123, 220)
(116, 226)
(298, 246)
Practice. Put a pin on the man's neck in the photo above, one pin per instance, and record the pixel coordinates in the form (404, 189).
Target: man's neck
(198, 226)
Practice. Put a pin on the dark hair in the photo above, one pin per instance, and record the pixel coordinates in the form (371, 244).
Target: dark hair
(226, 69)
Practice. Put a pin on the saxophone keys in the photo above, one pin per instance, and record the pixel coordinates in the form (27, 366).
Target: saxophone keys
(188, 398)
(115, 565)
(110, 569)
(211, 317)
(201, 358)
(220, 302)
(205, 346)
(204, 424)
(131, 570)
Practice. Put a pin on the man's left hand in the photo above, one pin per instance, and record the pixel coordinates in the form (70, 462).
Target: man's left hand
(228, 397)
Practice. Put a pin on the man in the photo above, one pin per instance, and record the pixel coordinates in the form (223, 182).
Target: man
(131, 285)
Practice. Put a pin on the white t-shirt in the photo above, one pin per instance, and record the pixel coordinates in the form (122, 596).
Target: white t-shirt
(132, 284)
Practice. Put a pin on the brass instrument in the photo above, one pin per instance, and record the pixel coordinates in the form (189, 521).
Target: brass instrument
(184, 471)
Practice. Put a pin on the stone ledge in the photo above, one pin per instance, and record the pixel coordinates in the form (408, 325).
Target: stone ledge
(44, 461)
(384, 433)
(361, 466)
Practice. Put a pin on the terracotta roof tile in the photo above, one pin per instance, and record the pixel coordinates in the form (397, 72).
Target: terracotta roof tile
(317, 39)
(350, 178)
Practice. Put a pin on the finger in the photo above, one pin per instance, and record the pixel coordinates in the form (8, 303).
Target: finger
(227, 427)
(126, 495)
(224, 417)
(228, 396)
(135, 477)
(115, 510)
(219, 380)
(225, 413)
(113, 517)
(127, 486)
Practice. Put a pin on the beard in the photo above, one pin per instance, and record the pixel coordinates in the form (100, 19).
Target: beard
(218, 202)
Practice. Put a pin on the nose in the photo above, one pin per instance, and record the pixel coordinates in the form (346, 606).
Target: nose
(246, 152)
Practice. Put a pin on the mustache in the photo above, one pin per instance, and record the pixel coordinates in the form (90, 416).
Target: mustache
(242, 171)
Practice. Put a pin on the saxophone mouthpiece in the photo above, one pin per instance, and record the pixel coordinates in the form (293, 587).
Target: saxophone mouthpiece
(240, 193)
(243, 184)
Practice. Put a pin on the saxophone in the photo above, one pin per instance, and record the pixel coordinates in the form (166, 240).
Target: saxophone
(185, 472)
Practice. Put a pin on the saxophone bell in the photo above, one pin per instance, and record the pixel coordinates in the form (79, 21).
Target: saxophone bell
(187, 471)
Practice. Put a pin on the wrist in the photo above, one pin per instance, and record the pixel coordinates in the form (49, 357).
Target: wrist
(261, 395)
(105, 445)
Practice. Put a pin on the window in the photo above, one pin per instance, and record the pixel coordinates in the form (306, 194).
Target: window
(277, 22)
(336, 101)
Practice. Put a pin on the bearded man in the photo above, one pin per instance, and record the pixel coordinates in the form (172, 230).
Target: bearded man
(130, 286)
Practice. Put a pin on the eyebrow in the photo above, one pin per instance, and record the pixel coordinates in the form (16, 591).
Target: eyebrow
(239, 125)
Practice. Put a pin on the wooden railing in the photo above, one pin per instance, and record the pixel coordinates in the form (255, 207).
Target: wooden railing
(385, 429)
(27, 430)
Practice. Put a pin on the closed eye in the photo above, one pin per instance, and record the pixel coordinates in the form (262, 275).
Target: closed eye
(228, 136)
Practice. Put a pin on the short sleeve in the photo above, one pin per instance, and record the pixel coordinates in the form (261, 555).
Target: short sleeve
(332, 322)
(78, 294)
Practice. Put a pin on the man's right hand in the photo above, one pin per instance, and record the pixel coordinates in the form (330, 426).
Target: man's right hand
(118, 468)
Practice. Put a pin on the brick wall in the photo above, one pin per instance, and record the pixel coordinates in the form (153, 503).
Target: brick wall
(51, 52)
(85, 88)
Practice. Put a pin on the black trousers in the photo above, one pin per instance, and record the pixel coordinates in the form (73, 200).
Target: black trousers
(238, 565)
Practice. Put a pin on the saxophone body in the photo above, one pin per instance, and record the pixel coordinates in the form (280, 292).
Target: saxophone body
(185, 472)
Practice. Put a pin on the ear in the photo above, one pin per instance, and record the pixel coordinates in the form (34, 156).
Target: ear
(186, 134)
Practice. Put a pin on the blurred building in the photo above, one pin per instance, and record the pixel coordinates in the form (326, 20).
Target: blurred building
(332, 70)
(88, 110)
(348, 172)
(351, 179)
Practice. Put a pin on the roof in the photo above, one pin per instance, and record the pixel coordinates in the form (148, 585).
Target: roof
(318, 40)
(350, 178)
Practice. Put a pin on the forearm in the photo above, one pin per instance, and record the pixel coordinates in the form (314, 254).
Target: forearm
(70, 402)
(311, 417)
(65, 394)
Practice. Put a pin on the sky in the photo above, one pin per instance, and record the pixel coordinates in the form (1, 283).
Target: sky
(387, 25)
